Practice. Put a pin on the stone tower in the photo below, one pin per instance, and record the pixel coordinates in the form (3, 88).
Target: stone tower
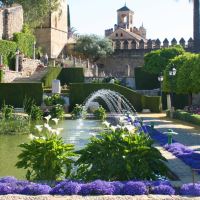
(53, 34)
(196, 25)
(125, 18)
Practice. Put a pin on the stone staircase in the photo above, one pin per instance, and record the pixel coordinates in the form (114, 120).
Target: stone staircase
(34, 78)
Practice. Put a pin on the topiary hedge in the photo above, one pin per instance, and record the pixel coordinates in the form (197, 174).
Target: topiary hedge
(153, 103)
(188, 117)
(80, 91)
(71, 75)
(52, 74)
(1, 76)
(25, 42)
(15, 93)
(7, 49)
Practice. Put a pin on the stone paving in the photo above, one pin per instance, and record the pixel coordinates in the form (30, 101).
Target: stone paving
(188, 135)
(141, 197)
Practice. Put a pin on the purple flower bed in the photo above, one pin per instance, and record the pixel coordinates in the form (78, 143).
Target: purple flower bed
(163, 189)
(135, 188)
(188, 156)
(190, 189)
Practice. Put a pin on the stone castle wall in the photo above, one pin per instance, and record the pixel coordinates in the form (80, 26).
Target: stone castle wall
(11, 21)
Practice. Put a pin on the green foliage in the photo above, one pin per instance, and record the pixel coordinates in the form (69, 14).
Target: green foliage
(188, 117)
(15, 93)
(79, 92)
(25, 42)
(153, 103)
(1, 76)
(36, 113)
(14, 126)
(71, 75)
(93, 47)
(156, 61)
(54, 100)
(51, 75)
(7, 112)
(100, 113)
(78, 111)
(27, 105)
(57, 111)
(120, 155)
(46, 158)
(145, 80)
(7, 49)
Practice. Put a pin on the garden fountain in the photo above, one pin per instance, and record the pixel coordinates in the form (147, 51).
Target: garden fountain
(115, 102)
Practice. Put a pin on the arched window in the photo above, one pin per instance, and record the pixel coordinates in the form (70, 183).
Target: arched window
(125, 44)
(116, 34)
(121, 34)
(118, 44)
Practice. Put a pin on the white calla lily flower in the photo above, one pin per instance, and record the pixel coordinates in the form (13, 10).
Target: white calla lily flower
(107, 124)
(39, 127)
(48, 118)
(55, 120)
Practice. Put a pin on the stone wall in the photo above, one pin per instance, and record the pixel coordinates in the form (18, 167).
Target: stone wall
(11, 21)
(118, 64)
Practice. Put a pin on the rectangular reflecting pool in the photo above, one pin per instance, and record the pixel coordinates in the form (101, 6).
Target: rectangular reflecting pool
(75, 132)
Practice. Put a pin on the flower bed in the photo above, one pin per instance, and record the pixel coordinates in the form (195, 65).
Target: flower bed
(188, 156)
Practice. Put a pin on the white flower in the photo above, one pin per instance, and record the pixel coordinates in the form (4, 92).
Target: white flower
(55, 120)
(48, 118)
(113, 128)
(32, 137)
(107, 124)
(48, 127)
(132, 118)
(39, 127)
(56, 131)
(130, 128)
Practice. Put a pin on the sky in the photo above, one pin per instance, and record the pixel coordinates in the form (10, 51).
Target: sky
(162, 18)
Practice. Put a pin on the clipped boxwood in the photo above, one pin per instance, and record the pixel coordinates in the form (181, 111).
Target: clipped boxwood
(187, 117)
(15, 93)
(52, 74)
(71, 75)
(24, 42)
(153, 103)
(7, 50)
(1, 76)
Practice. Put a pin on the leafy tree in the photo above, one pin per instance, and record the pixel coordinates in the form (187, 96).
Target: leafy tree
(156, 61)
(93, 47)
(35, 11)
(120, 155)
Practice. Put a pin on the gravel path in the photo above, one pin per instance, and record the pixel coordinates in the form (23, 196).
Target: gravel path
(141, 197)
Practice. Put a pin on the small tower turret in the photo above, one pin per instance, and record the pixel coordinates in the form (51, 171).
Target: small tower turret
(143, 31)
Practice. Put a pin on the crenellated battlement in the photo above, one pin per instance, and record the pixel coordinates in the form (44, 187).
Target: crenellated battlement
(152, 44)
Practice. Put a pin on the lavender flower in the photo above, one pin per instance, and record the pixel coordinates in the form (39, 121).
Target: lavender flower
(8, 179)
(135, 188)
(5, 188)
(36, 189)
(97, 187)
(163, 189)
(118, 187)
(190, 189)
(66, 188)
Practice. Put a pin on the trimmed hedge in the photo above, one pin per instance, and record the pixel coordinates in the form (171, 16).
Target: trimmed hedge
(7, 49)
(15, 93)
(71, 75)
(187, 117)
(1, 76)
(79, 92)
(52, 74)
(152, 103)
(145, 80)
(24, 42)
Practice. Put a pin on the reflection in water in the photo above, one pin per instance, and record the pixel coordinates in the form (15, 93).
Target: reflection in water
(76, 132)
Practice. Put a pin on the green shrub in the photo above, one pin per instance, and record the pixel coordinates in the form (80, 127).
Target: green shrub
(51, 75)
(14, 126)
(25, 42)
(188, 117)
(7, 112)
(100, 113)
(57, 111)
(15, 93)
(120, 155)
(27, 105)
(54, 100)
(1, 76)
(78, 111)
(71, 75)
(145, 80)
(7, 49)
(153, 103)
(46, 158)
(36, 113)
